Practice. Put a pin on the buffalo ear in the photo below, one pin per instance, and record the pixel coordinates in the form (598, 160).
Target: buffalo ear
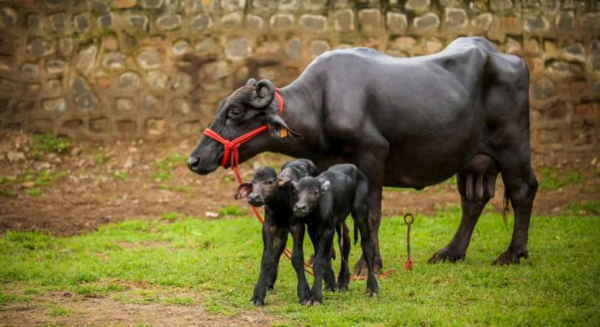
(282, 181)
(325, 185)
(276, 124)
(251, 82)
(243, 191)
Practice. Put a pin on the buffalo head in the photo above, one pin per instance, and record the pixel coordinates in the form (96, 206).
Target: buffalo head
(246, 109)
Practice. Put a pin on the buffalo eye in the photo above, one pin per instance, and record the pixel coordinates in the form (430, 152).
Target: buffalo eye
(234, 112)
(269, 182)
(316, 192)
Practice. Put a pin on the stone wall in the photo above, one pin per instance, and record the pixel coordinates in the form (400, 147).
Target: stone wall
(158, 68)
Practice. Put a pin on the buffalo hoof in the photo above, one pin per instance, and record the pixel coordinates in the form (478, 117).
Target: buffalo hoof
(510, 258)
(343, 285)
(361, 269)
(332, 289)
(444, 255)
(257, 302)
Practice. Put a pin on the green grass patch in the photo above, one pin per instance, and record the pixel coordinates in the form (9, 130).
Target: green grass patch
(165, 166)
(49, 143)
(59, 312)
(170, 216)
(35, 191)
(45, 178)
(8, 193)
(231, 210)
(99, 157)
(220, 259)
(591, 207)
(552, 178)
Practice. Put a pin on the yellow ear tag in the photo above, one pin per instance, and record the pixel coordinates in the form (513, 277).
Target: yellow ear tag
(283, 133)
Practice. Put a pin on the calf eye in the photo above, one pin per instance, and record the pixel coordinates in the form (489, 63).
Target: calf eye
(235, 112)
(315, 192)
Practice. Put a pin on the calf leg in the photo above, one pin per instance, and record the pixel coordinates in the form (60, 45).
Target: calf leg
(279, 242)
(472, 205)
(298, 262)
(322, 263)
(329, 276)
(270, 257)
(344, 243)
(521, 187)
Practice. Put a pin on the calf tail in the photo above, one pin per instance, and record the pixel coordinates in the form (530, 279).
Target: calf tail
(506, 208)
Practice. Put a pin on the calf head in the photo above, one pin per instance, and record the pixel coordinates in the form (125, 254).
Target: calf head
(264, 187)
(245, 110)
(309, 191)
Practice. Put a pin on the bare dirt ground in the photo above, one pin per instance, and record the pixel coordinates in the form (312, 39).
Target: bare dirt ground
(91, 184)
(68, 309)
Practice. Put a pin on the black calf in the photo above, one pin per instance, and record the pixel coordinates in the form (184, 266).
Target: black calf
(277, 194)
(331, 197)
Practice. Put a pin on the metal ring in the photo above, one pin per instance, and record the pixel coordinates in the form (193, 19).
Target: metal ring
(409, 219)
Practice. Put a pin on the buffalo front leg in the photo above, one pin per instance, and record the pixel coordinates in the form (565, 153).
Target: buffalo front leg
(298, 262)
(267, 264)
(375, 190)
(472, 206)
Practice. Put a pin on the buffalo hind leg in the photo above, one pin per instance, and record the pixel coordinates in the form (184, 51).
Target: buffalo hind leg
(471, 210)
(521, 188)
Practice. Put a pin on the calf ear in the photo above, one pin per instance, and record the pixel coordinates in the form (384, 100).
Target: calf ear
(325, 185)
(282, 181)
(243, 191)
(278, 128)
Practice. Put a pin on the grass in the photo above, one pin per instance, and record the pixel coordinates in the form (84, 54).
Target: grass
(49, 143)
(122, 175)
(59, 312)
(552, 178)
(219, 261)
(591, 207)
(165, 166)
(36, 191)
(231, 210)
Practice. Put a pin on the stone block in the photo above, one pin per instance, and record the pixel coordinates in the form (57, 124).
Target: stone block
(139, 22)
(181, 107)
(206, 45)
(168, 22)
(82, 22)
(114, 60)
(482, 22)
(8, 17)
(512, 46)
(111, 43)
(189, 128)
(590, 22)
(294, 48)
(543, 89)
(565, 22)
(99, 124)
(233, 5)
(85, 99)
(151, 4)
(32, 89)
(157, 79)
(86, 58)
(180, 47)
(317, 47)
(149, 59)
(56, 66)
(125, 4)
(370, 20)
(58, 21)
(561, 69)
(238, 48)
(573, 52)
(427, 22)
(127, 126)
(57, 105)
(106, 21)
(396, 22)
(536, 24)
(417, 5)
(589, 111)
(182, 81)
(155, 126)
(201, 22)
(313, 23)
(129, 80)
(151, 103)
(344, 20)
(65, 46)
(124, 104)
(100, 7)
(38, 47)
(531, 47)
(30, 71)
(254, 23)
(315, 4)
(53, 88)
(8, 87)
(501, 5)
(282, 22)
(33, 21)
(455, 18)
(231, 20)
(216, 70)
(45, 126)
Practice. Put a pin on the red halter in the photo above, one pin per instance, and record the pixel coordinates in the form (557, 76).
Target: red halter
(233, 145)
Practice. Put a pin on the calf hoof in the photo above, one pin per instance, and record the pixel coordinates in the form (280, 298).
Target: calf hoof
(510, 258)
(330, 288)
(304, 302)
(372, 294)
(343, 287)
(446, 254)
(361, 269)
(257, 302)
(312, 303)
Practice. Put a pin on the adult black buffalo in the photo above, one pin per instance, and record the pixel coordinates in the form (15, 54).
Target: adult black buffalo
(409, 122)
